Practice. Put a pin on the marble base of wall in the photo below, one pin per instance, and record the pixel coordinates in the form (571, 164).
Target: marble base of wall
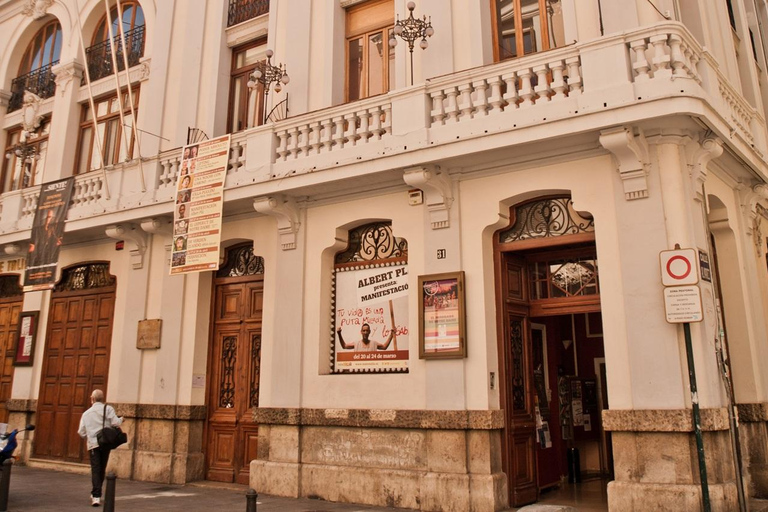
(20, 414)
(753, 434)
(427, 460)
(656, 462)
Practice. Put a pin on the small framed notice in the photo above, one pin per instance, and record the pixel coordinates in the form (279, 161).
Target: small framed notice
(25, 339)
(441, 316)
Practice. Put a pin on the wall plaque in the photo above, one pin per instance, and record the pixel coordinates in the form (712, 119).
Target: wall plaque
(149, 334)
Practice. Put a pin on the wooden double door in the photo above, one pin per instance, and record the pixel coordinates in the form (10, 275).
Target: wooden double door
(11, 300)
(76, 362)
(233, 378)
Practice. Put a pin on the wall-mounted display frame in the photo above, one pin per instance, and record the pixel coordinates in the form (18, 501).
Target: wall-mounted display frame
(26, 334)
(442, 325)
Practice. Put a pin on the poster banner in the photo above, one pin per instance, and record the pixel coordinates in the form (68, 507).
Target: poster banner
(371, 313)
(442, 316)
(47, 233)
(198, 204)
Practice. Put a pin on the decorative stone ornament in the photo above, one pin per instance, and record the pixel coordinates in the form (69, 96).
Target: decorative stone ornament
(37, 8)
(132, 233)
(286, 212)
(30, 112)
(438, 190)
(630, 152)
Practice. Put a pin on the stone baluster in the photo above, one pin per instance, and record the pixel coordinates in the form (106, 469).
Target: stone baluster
(387, 118)
(574, 76)
(542, 82)
(511, 97)
(376, 129)
(526, 88)
(693, 57)
(317, 133)
(282, 149)
(438, 107)
(481, 100)
(466, 107)
(365, 119)
(452, 110)
(641, 65)
(305, 145)
(661, 59)
(295, 145)
(496, 101)
(676, 56)
(327, 137)
(338, 133)
(234, 158)
(558, 85)
(351, 135)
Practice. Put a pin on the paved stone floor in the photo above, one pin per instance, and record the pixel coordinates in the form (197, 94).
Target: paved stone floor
(44, 490)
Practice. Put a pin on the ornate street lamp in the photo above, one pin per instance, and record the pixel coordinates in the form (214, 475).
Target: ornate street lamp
(411, 29)
(26, 153)
(266, 74)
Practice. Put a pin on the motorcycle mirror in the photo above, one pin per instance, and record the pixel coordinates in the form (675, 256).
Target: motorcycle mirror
(30, 427)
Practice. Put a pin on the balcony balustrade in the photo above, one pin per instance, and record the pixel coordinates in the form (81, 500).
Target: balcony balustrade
(637, 74)
(244, 10)
(99, 56)
(40, 81)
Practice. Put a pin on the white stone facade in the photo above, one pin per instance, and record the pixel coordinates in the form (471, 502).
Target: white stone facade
(654, 126)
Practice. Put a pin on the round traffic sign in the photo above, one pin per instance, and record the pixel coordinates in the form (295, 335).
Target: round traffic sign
(679, 267)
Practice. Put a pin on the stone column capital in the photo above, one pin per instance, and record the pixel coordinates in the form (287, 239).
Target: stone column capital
(66, 73)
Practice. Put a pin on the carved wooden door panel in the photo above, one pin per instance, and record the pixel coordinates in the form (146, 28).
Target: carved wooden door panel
(76, 361)
(233, 384)
(520, 430)
(10, 309)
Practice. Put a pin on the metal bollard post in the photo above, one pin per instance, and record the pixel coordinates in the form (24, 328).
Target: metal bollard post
(251, 497)
(109, 494)
(5, 484)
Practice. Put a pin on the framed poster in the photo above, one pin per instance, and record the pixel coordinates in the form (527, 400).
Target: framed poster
(441, 316)
(25, 339)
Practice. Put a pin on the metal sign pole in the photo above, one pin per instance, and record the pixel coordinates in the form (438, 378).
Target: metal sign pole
(697, 419)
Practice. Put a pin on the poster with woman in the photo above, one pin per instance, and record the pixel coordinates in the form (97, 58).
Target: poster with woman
(371, 314)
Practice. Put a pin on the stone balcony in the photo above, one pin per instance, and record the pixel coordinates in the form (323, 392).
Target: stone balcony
(627, 78)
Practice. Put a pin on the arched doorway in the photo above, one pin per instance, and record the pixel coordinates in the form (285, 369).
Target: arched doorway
(551, 355)
(76, 359)
(11, 300)
(234, 360)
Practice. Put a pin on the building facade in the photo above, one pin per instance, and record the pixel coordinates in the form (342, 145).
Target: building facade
(440, 273)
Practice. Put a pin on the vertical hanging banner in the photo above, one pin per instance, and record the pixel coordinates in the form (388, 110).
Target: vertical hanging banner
(198, 205)
(47, 233)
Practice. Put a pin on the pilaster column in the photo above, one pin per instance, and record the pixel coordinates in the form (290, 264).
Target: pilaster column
(65, 122)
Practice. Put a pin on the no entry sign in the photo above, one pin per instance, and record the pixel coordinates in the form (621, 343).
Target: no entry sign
(679, 267)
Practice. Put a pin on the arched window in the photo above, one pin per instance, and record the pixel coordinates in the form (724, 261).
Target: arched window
(99, 55)
(35, 68)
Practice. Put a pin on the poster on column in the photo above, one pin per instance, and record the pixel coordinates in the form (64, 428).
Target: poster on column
(47, 234)
(371, 319)
(198, 205)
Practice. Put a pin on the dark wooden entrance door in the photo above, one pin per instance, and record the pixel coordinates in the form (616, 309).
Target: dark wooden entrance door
(11, 299)
(517, 393)
(76, 359)
(233, 384)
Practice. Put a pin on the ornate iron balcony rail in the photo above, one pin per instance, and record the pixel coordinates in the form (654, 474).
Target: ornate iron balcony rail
(99, 56)
(242, 10)
(40, 81)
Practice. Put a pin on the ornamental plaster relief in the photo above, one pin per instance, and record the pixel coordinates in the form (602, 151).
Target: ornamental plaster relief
(37, 8)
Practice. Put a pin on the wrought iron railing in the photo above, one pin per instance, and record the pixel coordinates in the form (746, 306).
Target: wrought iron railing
(40, 81)
(243, 10)
(99, 56)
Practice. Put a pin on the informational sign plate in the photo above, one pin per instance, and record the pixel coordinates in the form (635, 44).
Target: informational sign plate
(679, 267)
(704, 268)
(683, 304)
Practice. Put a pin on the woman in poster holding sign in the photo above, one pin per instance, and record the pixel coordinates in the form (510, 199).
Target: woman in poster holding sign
(365, 344)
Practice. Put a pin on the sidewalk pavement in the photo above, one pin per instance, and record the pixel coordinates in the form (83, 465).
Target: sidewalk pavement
(42, 490)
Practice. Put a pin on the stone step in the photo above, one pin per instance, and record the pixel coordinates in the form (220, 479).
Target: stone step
(59, 465)
(546, 508)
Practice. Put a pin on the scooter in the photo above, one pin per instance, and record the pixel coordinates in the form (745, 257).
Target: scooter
(8, 442)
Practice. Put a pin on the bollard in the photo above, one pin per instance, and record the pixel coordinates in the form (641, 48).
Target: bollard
(251, 497)
(5, 483)
(109, 495)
